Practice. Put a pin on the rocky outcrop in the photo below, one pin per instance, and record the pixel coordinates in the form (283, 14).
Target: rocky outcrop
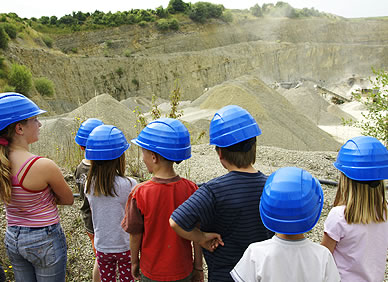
(202, 56)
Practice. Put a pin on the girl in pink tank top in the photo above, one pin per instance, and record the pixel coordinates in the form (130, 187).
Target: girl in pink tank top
(30, 187)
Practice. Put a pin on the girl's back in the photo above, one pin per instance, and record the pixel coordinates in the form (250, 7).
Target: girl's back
(361, 249)
(107, 214)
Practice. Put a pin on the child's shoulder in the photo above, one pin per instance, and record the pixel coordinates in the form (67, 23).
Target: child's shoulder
(337, 211)
(239, 176)
(139, 186)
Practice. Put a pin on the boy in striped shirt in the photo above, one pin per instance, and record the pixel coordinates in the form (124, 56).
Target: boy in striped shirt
(229, 204)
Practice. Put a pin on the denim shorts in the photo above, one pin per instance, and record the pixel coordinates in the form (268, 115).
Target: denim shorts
(37, 253)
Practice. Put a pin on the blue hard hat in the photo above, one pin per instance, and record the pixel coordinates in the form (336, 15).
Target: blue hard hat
(16, 107)
(363, 158)
(231, 125)
(105, 142)
(166, 136)
(84, 130)
(291, 202)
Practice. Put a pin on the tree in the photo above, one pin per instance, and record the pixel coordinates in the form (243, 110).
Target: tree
(256, 11)
(376, 104)
(176, 6)
(53, 20)
(21, 78)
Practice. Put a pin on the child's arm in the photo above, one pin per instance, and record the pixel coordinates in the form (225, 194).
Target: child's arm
(198, 268)
(209, 241)
(134, 243)
(54, 178)
(328, 242)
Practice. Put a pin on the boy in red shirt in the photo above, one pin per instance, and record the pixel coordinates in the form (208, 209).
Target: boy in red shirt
(164, 255)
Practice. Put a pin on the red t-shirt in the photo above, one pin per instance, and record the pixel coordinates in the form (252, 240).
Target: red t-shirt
(164, 255)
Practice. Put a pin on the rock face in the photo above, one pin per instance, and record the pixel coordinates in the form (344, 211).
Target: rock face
(202, 56)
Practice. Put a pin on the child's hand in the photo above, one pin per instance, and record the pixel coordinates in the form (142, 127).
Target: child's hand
(135, 269)
(211, 241)
(197, 276)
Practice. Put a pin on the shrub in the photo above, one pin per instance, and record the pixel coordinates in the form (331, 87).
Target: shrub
(44, 86)
(3, 39)
(227, 16)
(376, 104)
(173, 24)
(136, 82)
(119, 71)
(10, 29)
(176, 6)
(48, 41)
(127, 53)
(143, 23)
(20, 77)
(109, 44)
(256, 11)
(162, 25)
(8, 88)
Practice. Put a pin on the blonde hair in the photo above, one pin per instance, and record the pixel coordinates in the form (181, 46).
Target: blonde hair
(102, 174)
(5, 164)
(363, 204)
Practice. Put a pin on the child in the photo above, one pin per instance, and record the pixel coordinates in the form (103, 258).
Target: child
(31, 187)
(80, 176)
(107, 190)
(291, 204)
(356, 229)
(227, 205)
(164, 255)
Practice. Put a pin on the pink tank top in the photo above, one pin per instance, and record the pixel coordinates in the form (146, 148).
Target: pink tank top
(30, 208)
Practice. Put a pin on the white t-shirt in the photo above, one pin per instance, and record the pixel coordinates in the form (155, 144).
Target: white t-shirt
(361, 250)
(281, 260)
(107, 214)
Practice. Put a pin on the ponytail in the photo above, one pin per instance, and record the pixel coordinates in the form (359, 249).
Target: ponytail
(5, 165)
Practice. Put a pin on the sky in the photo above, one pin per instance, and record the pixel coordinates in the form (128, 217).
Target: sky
(38, 8)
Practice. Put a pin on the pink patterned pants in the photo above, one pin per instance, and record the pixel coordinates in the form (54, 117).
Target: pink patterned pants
(108, 262)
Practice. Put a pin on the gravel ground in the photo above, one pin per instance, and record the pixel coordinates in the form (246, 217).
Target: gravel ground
(203, 166)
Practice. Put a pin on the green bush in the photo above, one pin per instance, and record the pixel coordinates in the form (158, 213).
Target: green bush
(44, 86)
(173, 24)
(3, 74)
(127, 53)
(21, 78)
(8, 88)
(201, 11)
(10, 29)
(227, 16)
(3, 39)
(143, 23)
(48, 41)
(176, 6)
(109, 44)
(119, 71)
(256, 11)
(162, 25)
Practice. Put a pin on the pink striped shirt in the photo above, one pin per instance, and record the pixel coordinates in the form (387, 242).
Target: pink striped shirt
(31, 208)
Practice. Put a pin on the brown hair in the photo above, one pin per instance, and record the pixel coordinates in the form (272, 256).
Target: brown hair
(102, 174)
(240, 159)
(363, 204)
(5, 165)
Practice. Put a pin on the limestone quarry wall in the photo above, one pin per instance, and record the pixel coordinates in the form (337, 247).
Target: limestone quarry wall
(203, 56)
